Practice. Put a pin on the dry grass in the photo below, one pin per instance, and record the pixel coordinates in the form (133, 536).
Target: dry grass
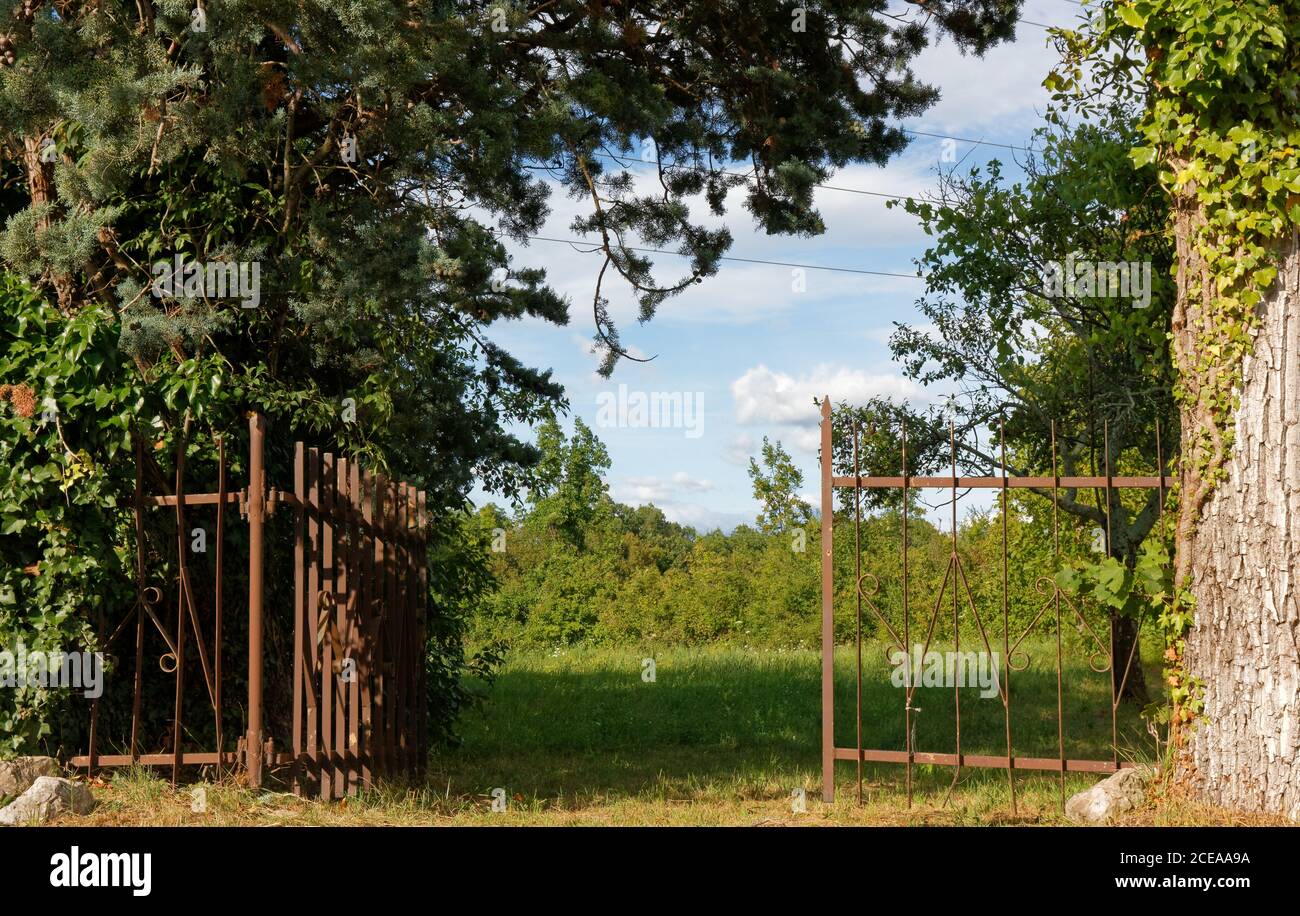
(139, 798)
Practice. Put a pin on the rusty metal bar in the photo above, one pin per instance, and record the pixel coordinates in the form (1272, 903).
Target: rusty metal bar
(256, 591)
(323, 619)
(1115, 686)
(908, 686)
(987, 761)
(299, 597)
(402, 655)
(828, 609)
(309, 615)
(341, 781)
(138, 692)
(379, 612)
(180, 601)
(365, 626)
(857, 595)
(956, 585)
(1056, 600)
(1006, 618)
(380, 721)
(189, 759)
(351, 608)
(423, 584)
(193, 499)
(217, 594)
(995, 483)
(399, 623)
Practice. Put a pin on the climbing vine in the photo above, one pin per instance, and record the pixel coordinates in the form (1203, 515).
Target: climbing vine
(1222, 88)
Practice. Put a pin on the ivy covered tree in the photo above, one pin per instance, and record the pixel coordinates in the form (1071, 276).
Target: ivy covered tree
(1222, 125)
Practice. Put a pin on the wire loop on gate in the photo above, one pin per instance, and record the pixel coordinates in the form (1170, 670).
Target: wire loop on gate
(1103, 667)
(162, 662)
(871, 605)
(151, 594)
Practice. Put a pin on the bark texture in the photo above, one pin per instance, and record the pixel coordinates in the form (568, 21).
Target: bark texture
(1241, 558)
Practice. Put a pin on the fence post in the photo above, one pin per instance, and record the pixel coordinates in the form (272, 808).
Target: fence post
(256, 519)
(828, 611)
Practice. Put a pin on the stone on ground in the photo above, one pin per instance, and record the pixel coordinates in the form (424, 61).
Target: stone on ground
(17, 775)
(1111, 797)
(48, 797)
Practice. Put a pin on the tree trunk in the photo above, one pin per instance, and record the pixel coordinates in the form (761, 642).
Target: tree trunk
(1134, 686)
(1239, 553)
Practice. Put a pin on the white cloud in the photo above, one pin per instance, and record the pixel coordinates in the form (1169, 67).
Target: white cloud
(998, 89)
(764, 397)
(667, 494)
(739, 449)
(652, 489)
(703, 519)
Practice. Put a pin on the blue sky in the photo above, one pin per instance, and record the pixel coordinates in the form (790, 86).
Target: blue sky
(754, 349)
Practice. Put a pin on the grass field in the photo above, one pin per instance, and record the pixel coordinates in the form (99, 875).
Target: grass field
(721, 736)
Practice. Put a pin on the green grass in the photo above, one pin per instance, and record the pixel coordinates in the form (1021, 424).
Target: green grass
(572, 725)
(722, 736)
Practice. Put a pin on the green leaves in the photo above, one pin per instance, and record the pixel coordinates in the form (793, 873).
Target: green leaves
(1132, 15)
(1140, 591)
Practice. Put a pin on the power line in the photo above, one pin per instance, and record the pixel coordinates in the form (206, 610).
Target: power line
(1023, 149)
(626, 160)
(575, 243)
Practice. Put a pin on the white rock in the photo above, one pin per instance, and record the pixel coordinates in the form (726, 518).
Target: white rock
(17, 775)
(1114, 795)
(48, 796)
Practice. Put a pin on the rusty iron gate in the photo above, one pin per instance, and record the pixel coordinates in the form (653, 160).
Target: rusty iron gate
(955, 584)
(359, 697)
(359, 623)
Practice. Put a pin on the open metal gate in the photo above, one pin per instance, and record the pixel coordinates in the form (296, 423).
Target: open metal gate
(995, 630)
(360, 595)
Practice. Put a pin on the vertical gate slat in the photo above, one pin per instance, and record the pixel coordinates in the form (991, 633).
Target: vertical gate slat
(322, 615)
(383, 601)
(396, 621)
(365, 660)
(408, 507)
(380, 742)
(308, 613)
(180, 607)
(299, 596)
(354, 626)
(403, 649)
(341, 771)
(423, 582)
(218, 600)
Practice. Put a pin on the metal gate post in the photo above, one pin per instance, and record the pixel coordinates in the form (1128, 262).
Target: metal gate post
(256, 518)
(828, 611)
